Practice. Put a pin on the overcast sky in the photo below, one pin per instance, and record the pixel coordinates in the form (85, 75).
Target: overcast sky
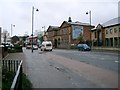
(53, 12)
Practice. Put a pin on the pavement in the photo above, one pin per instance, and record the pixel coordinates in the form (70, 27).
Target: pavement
(17, 56)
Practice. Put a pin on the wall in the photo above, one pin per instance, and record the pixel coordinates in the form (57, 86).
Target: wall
(0, 35)
(0, 44)
(112, 36)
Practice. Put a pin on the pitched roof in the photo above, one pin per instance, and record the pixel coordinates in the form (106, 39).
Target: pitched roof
(51, 28)
(76, 23)
(55, 27)
(111, 22)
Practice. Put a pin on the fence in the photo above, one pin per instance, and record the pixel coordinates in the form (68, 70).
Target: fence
(15, 66)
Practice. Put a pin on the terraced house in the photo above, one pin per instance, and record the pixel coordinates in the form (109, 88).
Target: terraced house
(66, 35)
(107, 34)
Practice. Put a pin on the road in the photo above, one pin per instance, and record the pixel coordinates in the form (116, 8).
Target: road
(71, 69)
(106, 60)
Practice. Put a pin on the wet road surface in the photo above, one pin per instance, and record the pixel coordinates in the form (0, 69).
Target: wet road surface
(48, 70)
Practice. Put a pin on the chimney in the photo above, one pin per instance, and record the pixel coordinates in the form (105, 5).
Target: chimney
(69, 19)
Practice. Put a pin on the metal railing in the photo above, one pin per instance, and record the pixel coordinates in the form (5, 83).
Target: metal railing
(15, 66)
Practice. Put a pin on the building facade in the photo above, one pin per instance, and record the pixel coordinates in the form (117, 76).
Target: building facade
(30, 40)
(53, 34)
(98, 36)
(67, 35)
(0, 35)
(107, 34)
(5, 36)
(112, 36)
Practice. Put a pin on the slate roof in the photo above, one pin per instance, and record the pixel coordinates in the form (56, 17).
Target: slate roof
(78, 23)
(52, 28)
(111, 22)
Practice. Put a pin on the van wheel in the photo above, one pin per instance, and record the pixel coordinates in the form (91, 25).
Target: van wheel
(41, 49)
(51, 50)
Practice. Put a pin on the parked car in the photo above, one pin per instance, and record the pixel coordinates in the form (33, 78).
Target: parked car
(83, 47)
(46, 46)
(9, 45)
(28, 46)
(1, 45)
(35, 47)
(39, 46)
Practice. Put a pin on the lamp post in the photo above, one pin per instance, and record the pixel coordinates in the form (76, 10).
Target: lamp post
(90, 23)
(12, 25)
(33, 24)
(43, 28)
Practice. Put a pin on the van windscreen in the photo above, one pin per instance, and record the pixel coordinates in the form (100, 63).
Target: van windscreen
(48, 44)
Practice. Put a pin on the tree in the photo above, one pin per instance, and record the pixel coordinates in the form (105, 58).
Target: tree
(14, 39)
(80, 38)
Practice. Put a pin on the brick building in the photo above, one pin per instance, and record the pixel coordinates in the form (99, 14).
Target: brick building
(30, 39)
(53, 34)
(68, 33)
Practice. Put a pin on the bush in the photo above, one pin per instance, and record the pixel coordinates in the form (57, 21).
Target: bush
(7, 79)
(17, 48)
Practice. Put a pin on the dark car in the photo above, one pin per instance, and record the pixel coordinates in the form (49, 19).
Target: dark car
(83, 47)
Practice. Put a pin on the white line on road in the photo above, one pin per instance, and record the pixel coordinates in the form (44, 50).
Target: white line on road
(102, 58)
(116, 61)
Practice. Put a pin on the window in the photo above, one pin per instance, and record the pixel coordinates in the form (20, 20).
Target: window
(64, 31)
(106, 31)
(58, 41)
(115, 30)
(111, 31)
(48, 45)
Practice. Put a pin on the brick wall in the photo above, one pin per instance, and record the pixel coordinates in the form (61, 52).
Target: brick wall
(87, 33)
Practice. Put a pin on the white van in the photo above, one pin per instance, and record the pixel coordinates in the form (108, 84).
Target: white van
(46, 45)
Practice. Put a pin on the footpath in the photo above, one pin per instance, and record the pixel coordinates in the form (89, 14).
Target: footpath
(17, 56)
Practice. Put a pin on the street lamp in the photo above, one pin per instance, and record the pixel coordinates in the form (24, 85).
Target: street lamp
(90, 21)
(12, 25)
(43, 28)
(33, 24)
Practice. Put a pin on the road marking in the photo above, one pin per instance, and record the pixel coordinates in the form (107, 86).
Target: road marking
(116, 61)
(102, 58)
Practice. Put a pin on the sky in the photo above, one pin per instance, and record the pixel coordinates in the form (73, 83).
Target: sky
(53, 12)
